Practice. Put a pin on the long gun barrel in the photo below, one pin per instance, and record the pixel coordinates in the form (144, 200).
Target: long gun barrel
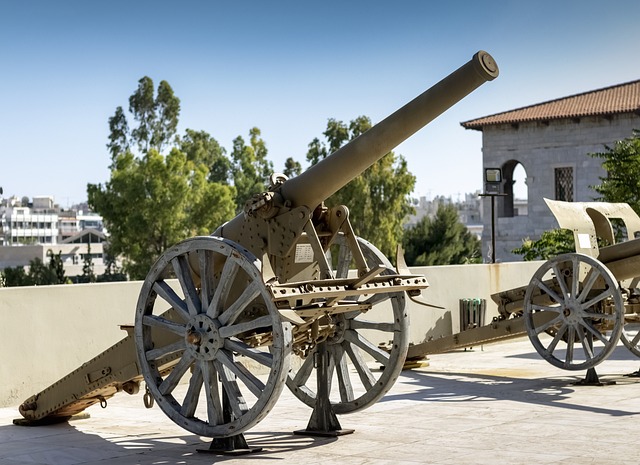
(311, 188)
(329, 175)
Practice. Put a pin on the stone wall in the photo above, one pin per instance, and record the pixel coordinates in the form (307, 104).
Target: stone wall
(48, 331)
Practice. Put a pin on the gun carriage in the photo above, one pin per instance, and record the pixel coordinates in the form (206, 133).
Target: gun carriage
(269, 300)
(584, 302)
(577, 306)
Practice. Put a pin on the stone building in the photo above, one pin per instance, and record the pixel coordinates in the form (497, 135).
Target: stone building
(552, 142)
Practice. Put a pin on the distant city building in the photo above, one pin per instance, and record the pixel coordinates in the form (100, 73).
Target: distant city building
(30, 230)
(469, 211)
(552, 142)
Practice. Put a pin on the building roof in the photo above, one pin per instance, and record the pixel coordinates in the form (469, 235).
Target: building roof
(88, 235)
(621, 98)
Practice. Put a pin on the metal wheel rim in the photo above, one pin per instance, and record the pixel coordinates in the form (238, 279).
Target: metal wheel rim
(204, 338)
(630, 337)
(571, 318)
(349, 351)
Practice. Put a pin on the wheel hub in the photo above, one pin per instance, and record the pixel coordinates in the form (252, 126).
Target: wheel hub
(202, 337)
(572, 313)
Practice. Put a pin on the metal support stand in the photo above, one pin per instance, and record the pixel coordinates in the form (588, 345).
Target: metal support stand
(233, 445)
(323, 421)
(592, 379)
(635, 374)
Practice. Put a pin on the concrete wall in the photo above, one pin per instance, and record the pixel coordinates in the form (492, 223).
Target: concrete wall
(48, 331)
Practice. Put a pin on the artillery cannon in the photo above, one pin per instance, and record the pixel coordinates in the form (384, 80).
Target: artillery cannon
(269, 300)
(577, 306)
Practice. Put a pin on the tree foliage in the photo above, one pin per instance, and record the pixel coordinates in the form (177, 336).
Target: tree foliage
(153, 200)
(250, 168)
(550, 244)
(39, 273)
(622, 163)
(441, 240)
(378, 198)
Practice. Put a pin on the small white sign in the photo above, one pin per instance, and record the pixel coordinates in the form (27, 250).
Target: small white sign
(583, 241)
(304, 253)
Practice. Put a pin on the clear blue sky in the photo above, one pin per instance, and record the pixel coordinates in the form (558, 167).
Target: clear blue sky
(286, 67)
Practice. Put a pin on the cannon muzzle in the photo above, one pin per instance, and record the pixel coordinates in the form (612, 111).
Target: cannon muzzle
(326, 177)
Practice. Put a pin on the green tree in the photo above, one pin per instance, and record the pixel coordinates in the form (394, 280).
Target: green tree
(88, 274)
(378, 199)
(292, 168)
(41, 274)
(622, 163)
(251, 168)
(57, 267)
(111, 271)
(441, 240)
(550, 244)
(152, 200)
(200, 147)
(15, 276)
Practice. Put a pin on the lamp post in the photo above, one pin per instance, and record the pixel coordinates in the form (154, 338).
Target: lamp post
(492, 188)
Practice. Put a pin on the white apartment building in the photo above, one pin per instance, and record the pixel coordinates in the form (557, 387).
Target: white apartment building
(33, 230)
(42, 223)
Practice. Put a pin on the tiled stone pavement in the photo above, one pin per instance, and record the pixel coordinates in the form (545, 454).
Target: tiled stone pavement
(500, 404)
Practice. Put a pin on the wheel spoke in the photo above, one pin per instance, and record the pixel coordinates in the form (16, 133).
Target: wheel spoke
(155, 354)
(592, 277)
(588, 350)
(571, 336)
(548, 324)
(575, 277)
(170, 382)
(595, 332)
(183, 272)
(230, 314)
(561, 282)
(227, 277)
(547, 290)
(357, 339)
(169, 295)
(560, 332)
(342, 372)
(603, 295)
(230, 386)
(366, 324)
(236, 345)
(212, 393)
(190, 402)
(600, 316)
(233, 330)
(344, 260)
(366, 377)
(206, 273)
(248, 379)
(636, 339)
(163, 323)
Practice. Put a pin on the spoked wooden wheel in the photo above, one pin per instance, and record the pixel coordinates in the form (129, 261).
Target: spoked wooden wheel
(222, 331)
(630, 336)
(579, 301)
(360, 371)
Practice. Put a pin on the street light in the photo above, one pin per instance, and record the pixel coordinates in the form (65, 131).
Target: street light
(492, 188)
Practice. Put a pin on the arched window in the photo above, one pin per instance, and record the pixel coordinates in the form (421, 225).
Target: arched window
(515, 202)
